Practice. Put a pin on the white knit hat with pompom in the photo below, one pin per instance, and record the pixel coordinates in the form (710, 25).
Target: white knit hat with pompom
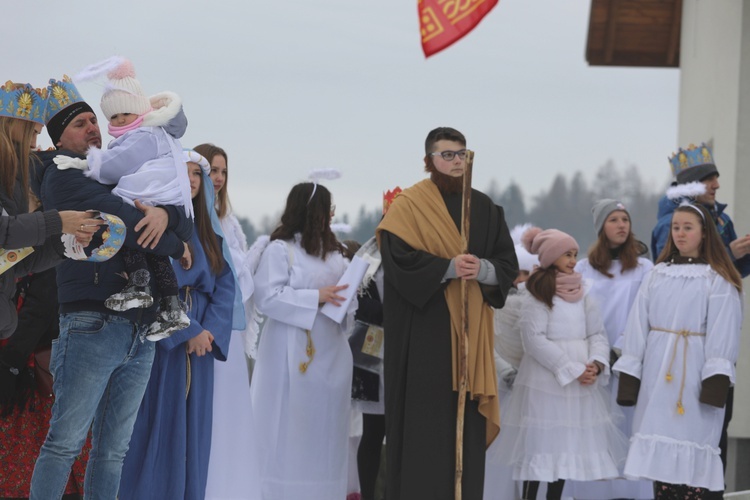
(124, 93)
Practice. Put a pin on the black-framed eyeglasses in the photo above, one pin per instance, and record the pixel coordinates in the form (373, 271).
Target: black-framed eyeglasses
(449, 155)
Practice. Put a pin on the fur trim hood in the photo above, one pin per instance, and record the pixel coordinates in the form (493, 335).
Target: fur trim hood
(167, 112)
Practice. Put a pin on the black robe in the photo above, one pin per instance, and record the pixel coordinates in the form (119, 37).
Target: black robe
(420, 404)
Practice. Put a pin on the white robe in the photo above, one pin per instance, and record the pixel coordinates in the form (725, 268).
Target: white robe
(615, 297)
(301, 420)
(231, 433)
(555, 427)
(667, 446)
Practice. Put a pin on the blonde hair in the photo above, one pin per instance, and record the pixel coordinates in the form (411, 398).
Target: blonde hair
(15, 155)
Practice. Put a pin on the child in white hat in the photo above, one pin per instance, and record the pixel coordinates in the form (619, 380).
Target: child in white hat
(145, 161)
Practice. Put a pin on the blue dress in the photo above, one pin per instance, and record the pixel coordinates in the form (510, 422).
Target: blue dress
(171, 442)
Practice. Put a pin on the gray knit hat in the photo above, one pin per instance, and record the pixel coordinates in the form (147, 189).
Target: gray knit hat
(602, 209)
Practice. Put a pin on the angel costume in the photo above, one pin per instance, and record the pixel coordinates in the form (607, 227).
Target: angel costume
(615, 297)
(683, 329)
(555, 427)
(302, 378)
(231, 432)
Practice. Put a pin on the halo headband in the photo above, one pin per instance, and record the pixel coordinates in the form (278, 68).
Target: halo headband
(322, 173)
(688, 204)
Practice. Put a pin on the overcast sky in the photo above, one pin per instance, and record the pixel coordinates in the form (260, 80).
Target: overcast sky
(288, 86)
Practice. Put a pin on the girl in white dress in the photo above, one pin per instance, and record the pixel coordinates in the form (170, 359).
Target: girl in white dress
(558, 425)
(301, 385)
(230, 432)
(615, 268)
(679, 349)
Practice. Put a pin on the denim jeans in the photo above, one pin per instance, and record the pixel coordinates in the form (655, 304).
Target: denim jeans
(101, 366)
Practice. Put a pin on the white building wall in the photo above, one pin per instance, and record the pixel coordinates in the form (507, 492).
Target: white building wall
(715, 106)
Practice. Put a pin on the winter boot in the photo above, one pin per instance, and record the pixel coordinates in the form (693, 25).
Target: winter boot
(136, 294)
(170, 318)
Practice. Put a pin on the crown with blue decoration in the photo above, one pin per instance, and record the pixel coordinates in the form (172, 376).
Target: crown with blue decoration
(61, 94)
(693, 164)
(22, 101)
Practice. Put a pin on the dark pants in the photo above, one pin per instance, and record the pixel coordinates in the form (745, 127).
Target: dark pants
(368, 453)
(554, 490)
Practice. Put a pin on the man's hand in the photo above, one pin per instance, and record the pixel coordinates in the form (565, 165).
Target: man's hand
(154, 223)
(740, 247)
(467, 266)
(200, 344)
(65, 162)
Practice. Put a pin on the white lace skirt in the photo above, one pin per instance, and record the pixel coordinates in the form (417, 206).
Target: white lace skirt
(549, 432)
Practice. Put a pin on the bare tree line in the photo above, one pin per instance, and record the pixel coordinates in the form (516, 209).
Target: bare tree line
(566, 205)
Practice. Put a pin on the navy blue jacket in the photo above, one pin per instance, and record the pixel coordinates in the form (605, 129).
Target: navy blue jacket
(83, 286)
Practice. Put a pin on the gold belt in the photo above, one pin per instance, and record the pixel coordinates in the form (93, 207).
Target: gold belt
(684, 334)
(310, 351)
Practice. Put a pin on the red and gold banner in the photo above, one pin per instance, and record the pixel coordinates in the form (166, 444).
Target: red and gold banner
(443, 22)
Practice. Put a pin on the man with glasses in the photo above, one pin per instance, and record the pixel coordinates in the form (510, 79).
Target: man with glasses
(423, 265)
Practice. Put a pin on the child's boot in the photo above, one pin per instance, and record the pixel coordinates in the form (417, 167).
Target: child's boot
(170, 318)
(136, 294)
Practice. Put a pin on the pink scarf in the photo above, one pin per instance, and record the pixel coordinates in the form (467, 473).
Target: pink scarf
(119, 131)
(569, 287)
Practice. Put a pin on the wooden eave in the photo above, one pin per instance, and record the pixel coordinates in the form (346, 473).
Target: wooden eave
(634, 33)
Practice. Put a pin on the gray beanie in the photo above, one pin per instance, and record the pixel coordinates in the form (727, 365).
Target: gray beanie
(602, 209)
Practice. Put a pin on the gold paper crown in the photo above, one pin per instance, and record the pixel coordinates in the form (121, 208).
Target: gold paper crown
(22, 101)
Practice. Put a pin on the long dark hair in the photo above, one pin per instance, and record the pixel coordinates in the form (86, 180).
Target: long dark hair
(309, 213)
(600, 256)
(206, 234)
(542, 284)
(712, 249)
(208, 151)
(14, 156)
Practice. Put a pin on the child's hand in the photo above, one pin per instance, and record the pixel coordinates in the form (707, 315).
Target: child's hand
(187, 259)
(588, 377)
(200, 344)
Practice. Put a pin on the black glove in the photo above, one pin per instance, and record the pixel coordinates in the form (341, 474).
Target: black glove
(714, 391)
(627, 393)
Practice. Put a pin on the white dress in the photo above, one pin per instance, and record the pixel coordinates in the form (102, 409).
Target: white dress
(301, 420)
(554, 427)
(668, 446)
(615, 297)
(231, 432)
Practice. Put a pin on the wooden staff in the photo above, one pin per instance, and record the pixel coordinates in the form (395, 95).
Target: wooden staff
(463, 351)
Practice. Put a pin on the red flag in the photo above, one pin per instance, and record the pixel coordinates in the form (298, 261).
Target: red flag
(443, 22)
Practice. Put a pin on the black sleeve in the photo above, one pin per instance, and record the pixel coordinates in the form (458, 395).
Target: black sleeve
(416, 274)
(504, 260)
(181, 224)
(627, 393)
(714, 391)
(71, 190)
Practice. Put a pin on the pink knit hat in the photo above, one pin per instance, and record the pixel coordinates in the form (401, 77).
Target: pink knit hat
(549, 244)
